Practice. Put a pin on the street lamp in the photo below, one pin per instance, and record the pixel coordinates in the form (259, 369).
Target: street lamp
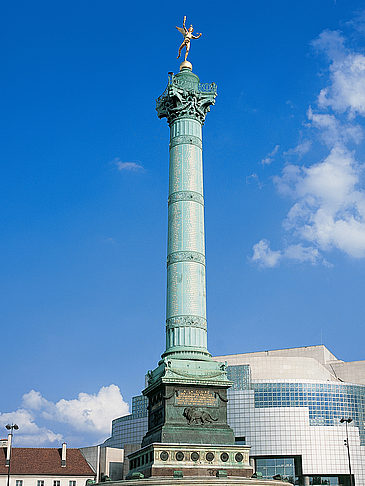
(347, 421)
(10, 439)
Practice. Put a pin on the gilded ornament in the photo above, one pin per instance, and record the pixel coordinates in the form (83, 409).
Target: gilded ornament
(188, 35)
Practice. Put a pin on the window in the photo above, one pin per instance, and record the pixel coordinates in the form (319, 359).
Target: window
(19, 482)
(240, 440)
(271, 466)
(115, 471)
(329, 480)
(40, 482)
(72, 483)
(56, 482)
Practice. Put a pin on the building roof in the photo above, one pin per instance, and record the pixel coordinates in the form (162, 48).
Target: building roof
(318, 352)
(41, 462)
(303, 363)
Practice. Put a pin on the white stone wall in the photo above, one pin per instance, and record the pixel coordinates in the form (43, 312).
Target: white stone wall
(92, 456)
(108, 455)
(319, 353)
(307, 362)
(286, 431)
(30, 480)
(99, 458)
(281, 368)
(352, 372)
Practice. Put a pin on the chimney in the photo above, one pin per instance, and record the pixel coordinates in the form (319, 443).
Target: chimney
(8, 450)
(63, 456)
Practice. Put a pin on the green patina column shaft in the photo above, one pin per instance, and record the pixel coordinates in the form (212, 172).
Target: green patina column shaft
(187, 392)
(185, 103)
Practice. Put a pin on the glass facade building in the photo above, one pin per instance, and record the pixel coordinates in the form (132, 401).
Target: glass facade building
(130, 429)
(300, 422)
(287, 406)
(327, 403)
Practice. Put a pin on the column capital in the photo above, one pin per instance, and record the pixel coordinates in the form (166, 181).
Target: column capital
(186, 97)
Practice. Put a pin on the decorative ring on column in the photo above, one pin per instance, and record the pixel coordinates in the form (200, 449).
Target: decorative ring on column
(186, 321)
(189, 139)
(186, 196)
(185, 256)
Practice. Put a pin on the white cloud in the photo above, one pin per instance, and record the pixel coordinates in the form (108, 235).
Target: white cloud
(346, 93)
(332, 43)
(328, 209)
(358, 22)
(301, 149)
(301, 254)
(264, 256)
(127, 166)
(29, 432)
(33, 400)
(332, 131)
(332, 181)
(267, 258)
(90, 414)
(270, 156)
(285, 183)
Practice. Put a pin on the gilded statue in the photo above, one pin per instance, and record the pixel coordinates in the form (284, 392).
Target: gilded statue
(188, 35)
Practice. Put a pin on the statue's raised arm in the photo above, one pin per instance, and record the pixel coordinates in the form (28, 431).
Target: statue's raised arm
(188, 35)
(183, 29)
(184, 23)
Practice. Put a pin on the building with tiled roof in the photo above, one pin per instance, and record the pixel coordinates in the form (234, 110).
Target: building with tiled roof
(45, 467)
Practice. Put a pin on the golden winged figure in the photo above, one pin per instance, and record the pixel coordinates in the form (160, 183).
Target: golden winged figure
(188, 35)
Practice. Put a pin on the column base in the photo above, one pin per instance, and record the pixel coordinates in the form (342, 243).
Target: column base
(192, 460)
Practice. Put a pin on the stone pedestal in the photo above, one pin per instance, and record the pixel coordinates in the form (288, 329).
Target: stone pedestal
(187, 403)
(192, 460)
(210, 481)
(189, 414)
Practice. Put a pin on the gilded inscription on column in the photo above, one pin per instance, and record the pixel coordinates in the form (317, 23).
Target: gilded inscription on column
(196, 397)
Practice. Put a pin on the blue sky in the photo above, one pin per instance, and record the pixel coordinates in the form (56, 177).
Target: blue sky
(84, 187)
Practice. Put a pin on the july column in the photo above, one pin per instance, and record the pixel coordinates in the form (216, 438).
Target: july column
(186, 326)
